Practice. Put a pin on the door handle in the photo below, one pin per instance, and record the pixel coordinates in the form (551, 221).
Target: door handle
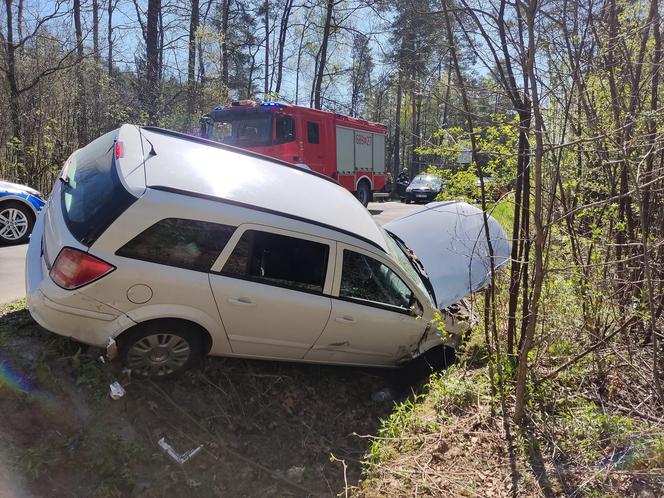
(345, 319)
(241, 301)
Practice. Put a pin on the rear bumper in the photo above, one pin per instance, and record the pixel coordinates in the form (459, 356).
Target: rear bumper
(47, 303)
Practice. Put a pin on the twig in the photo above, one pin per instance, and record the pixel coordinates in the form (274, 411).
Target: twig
(630, 411)
(582, 354)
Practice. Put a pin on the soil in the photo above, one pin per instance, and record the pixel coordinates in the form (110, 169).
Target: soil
(265, 428)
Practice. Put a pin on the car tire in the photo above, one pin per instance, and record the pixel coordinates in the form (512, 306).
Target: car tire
(418, 370)
(16, 222)
(161, 349)
(363, 193)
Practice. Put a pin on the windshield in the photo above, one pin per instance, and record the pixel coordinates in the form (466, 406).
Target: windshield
(404, 261)
(427, 181)
(243, 130)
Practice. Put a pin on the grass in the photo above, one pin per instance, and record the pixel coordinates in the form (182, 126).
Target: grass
(503, 212)
(18, 305)
(38, 459)
(570, 443)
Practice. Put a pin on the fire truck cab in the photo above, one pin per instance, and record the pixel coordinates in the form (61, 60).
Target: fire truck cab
(350, 150)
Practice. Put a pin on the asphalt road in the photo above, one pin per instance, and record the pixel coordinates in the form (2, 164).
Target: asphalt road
(388, 211)
(12, 258)
(12, 266)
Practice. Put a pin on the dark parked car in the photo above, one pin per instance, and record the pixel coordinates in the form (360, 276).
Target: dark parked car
(423, 188)
(19, 206)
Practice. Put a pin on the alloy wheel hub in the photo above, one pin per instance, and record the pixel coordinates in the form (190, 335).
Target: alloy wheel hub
(13, 224)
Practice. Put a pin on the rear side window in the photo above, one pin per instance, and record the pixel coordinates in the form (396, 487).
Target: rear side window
(92, 194)
(280, 260)
(366, 279)
(189, 244)
(312, 133)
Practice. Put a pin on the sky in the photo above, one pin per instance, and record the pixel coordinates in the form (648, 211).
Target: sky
(128, 40)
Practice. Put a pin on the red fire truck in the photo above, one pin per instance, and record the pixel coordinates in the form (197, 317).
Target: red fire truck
(350, 150)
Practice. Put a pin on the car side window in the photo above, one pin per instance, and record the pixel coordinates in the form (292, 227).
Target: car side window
(365, 279)
(279, 259)
(312, 133)
(190, 244)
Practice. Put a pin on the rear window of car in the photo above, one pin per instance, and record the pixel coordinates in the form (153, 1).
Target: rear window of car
(280, 260)
(92, 194)
(179, 242)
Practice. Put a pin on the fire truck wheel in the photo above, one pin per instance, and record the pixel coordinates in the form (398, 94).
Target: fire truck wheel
(363, 193)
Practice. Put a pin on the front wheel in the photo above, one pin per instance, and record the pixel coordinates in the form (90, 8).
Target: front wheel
(16, 222)
(363, 193)
(161, 349)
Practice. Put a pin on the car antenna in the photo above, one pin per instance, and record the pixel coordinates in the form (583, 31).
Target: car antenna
(152, 151)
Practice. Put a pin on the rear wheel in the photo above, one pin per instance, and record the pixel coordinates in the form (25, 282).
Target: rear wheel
(161, 349)
(363, 193)
(16, 222)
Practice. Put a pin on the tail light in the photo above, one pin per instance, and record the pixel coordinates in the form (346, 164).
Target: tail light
(73, 269)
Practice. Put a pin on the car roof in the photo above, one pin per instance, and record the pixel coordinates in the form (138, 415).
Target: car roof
(201, 168)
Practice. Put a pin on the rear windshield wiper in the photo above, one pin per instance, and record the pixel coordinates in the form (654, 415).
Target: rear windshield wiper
(65, 180)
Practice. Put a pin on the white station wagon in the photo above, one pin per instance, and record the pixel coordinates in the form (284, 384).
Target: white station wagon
(178, 247)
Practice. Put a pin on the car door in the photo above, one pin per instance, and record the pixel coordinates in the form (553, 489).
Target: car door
(371, 322)
(272, 291)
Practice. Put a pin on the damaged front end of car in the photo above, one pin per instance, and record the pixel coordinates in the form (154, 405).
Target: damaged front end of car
(449, 241)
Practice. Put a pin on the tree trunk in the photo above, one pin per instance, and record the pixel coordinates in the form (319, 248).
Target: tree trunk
(191, 63)
(224, 43)
(283, 29)
(266, 21)
(19, 19)
(540, 232)
(160, 49)
(81, 115)
(397, 129)
(14, 106)
(446, 103)
(95, 30)
(490, 306)
(152, 89)
(415, 132)
(109, 36)
(318, 83)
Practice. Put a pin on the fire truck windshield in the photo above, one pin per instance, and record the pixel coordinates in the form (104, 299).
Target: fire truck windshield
(242, 130)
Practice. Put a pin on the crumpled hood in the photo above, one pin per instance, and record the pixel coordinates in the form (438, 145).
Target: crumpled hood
(18, 188)
(449, 240)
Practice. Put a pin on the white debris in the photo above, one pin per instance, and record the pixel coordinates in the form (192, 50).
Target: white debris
(117, 391)
(111, 349)
(179, 458)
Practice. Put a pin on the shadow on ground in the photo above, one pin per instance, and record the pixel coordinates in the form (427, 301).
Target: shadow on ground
(266, 428)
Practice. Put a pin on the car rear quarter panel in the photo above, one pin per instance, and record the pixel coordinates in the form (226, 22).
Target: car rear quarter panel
(176, 292)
